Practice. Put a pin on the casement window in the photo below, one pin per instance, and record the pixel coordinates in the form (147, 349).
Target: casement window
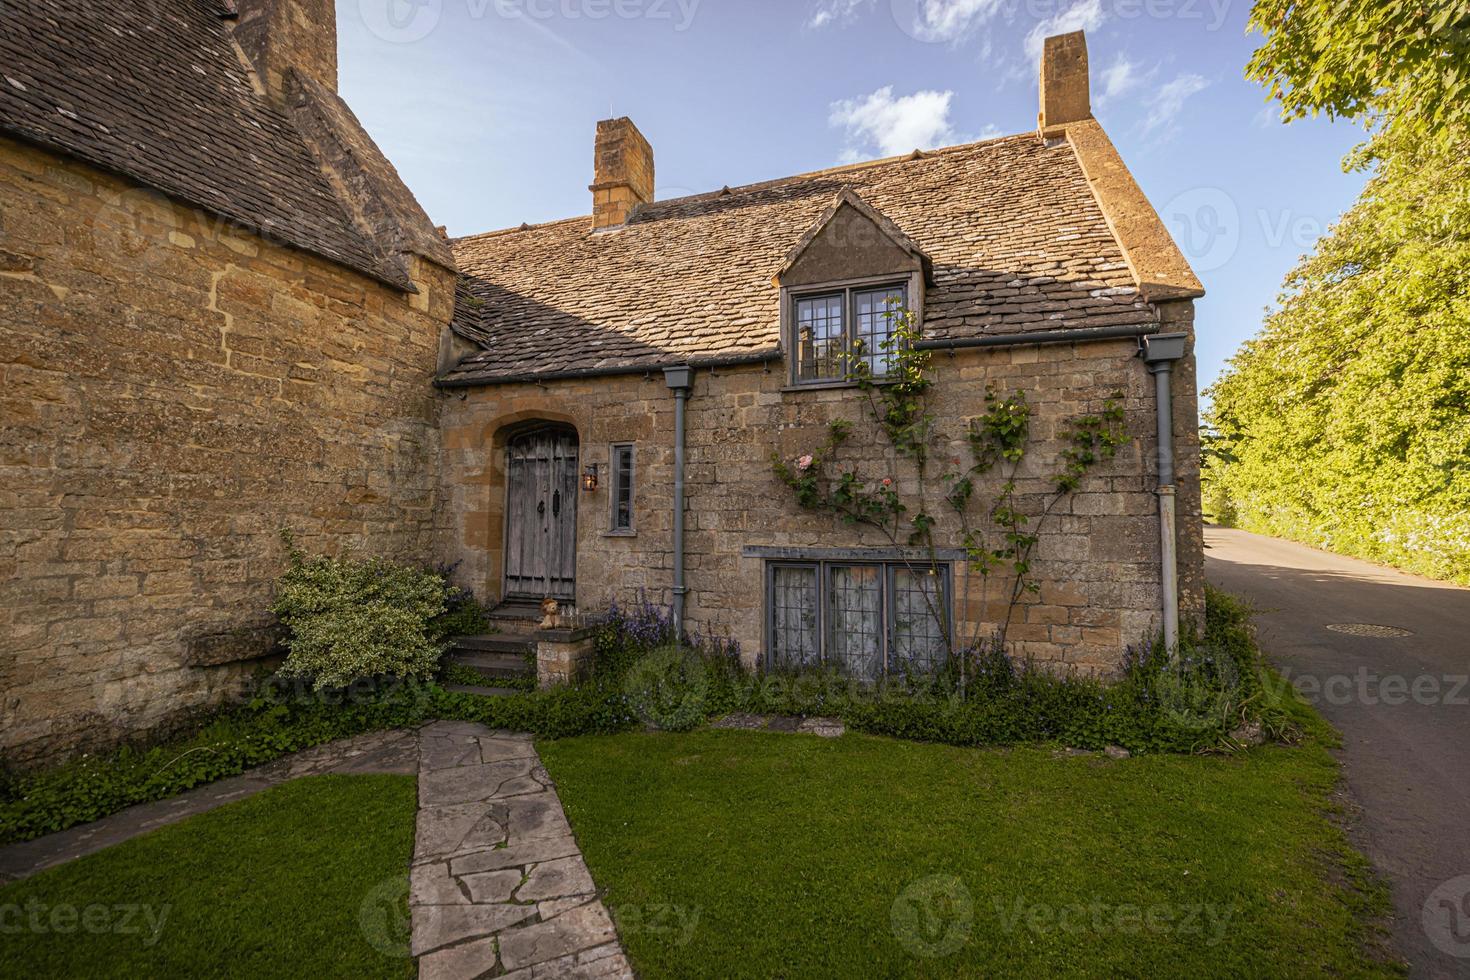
(864, 619)
(837, 331)
(621, 521)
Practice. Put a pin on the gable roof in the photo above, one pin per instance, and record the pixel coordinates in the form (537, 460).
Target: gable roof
(1017, 240)
(158, 93)
(847, 197)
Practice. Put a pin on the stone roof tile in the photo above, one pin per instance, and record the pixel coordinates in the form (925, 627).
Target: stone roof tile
(155, 91)
(1016, 237)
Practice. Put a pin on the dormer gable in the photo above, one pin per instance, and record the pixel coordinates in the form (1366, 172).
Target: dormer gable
(850, 241)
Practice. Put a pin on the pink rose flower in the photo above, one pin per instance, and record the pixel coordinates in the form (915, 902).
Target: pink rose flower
(887, 482)
(804, 463)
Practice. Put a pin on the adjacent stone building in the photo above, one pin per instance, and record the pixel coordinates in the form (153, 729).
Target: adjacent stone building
(222, 314)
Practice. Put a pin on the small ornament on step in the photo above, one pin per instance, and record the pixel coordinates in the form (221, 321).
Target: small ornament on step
(550, 614)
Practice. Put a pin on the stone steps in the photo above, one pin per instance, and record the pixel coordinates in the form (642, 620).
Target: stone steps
(494, 656)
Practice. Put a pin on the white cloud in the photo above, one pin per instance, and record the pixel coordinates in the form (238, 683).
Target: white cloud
(1166, 104)
(829, 12)
(948, 20)
(892, 125)
(1084, 15)
(1120, 78)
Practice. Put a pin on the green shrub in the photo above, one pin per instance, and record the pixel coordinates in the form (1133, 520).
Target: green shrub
(1186, 704)
(349, 618)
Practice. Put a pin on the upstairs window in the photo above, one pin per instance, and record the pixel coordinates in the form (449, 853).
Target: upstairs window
(622, 489)
(841, 333)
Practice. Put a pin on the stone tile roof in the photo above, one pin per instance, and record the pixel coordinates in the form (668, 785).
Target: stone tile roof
(1017, 240)
(156, 91)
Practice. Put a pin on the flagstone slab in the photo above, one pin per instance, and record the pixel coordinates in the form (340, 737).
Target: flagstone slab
(600, 963)
(498, 884)
(515, 855)
(584, 927)
(464, 962)
(556, 879)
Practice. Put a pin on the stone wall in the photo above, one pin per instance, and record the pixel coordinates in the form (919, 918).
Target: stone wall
(1097, 562)
(175, 391)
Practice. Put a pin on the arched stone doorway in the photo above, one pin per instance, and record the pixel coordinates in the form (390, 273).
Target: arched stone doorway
(541, 481)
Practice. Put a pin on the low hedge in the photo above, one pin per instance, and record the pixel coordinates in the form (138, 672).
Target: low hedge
(1189, 703)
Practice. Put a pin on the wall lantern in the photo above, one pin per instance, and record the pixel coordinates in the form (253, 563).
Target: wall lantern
(589, 478)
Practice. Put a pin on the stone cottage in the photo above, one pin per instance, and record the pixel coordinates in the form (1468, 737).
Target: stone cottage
(626, 378)
(222, 314)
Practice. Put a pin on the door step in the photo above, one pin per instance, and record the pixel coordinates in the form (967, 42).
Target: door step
(495, 656)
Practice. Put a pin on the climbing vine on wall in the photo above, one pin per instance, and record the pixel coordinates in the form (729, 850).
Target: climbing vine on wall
(996, 526)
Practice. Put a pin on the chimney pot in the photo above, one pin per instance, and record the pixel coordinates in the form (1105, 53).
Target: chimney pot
(279, 35)
(1065, 87)
(622, 173)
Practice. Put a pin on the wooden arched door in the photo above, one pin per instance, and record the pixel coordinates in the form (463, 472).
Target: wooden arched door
(541, 514)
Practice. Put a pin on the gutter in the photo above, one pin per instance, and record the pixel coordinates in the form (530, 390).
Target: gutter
(1160, 352)
(680, 381)
(1039, 337)
(723, 360)
(1036, 337)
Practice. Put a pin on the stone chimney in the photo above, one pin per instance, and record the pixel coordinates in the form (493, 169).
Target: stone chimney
(1065, 89)
(277, 35)
(622, 173)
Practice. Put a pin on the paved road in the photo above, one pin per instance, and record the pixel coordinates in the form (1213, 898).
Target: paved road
(1403, 706)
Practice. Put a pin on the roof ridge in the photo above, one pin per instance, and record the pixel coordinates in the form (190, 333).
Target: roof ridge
(730, 191)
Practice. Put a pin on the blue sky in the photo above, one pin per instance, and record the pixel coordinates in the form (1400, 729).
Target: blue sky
(487, 107)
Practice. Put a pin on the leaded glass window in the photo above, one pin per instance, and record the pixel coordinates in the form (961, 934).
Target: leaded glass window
(855, 623)
(877, 312)
(794, 623)
(918, 620)
(864, 619)
(622, 488)
(842, 333)
(819, 327)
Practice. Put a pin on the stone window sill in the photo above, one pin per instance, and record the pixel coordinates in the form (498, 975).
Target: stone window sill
(829, 385)
(629, 533)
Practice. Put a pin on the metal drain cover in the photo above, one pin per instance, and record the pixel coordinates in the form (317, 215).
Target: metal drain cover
(1368, 629)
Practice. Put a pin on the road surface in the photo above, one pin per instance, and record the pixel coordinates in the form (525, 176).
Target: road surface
(1402, 704)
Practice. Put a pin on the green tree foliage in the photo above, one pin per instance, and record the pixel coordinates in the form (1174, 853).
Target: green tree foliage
(1401, 60)
(1346, 423)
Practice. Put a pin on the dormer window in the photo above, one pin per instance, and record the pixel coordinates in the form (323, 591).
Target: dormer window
(846, 286)
(843, 333)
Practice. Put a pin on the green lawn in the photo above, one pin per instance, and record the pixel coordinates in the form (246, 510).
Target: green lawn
(306, 879)
(728, 853)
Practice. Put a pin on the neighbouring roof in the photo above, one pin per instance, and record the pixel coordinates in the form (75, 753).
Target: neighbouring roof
(1017, 240)
(156, 91)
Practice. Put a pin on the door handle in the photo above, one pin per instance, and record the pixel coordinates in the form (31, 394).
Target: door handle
(556, 503)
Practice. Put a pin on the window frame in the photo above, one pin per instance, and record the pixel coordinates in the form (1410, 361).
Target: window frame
(614, 450)
(888, 576)
(848, 290)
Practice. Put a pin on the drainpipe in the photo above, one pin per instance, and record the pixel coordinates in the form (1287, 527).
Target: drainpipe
(679, 380)
(1159, 352)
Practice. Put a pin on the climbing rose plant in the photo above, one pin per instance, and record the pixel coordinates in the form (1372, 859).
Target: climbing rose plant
(998, 530)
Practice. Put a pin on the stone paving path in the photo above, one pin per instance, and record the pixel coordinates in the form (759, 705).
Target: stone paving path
(498, 882)
(394, 752)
